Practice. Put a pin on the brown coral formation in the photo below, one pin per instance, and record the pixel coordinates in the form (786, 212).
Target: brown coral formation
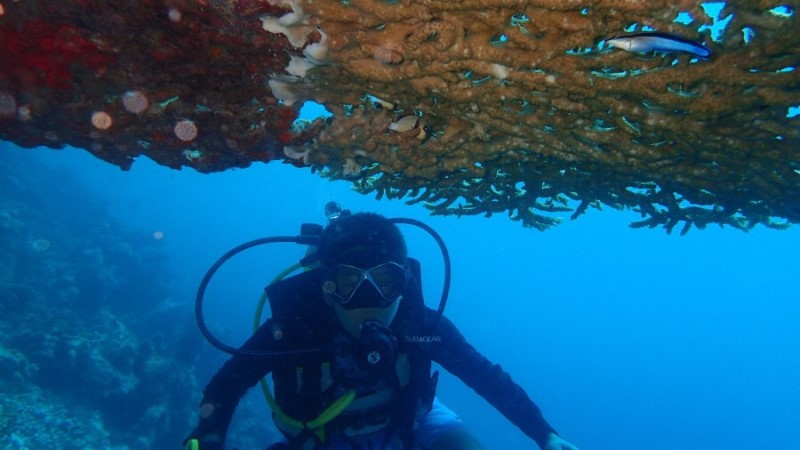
(521, 109)
(528, 115)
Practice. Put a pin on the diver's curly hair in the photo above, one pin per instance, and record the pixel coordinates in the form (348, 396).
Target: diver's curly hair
(362, 240)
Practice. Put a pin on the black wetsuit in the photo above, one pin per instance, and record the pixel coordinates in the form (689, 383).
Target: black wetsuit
(433, 340)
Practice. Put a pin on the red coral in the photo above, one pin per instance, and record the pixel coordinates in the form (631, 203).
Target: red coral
(286, 117)
(285, 137)
(45, 52)
(255, 8)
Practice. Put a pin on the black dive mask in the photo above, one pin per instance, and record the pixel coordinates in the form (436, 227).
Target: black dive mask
(376, 287)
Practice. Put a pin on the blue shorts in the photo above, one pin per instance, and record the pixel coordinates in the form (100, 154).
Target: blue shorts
(437, 421)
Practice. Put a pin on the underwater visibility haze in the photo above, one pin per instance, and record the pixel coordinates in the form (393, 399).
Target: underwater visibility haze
(627, 339)
(667, 316)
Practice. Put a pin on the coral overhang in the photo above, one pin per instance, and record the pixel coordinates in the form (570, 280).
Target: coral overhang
(520, 107)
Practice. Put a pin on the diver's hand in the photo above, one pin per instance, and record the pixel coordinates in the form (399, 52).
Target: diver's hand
(554, 442)
(212, 442)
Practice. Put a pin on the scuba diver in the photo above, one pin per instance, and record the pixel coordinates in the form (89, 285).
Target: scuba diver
(349, 346)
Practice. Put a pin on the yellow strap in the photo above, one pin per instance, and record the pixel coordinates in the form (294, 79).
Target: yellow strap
(316, 425)
(331, 412)
(192, 444)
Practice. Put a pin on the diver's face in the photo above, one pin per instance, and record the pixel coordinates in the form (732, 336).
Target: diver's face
(358, 295)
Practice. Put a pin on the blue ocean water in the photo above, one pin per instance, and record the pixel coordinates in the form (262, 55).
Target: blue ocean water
(627, 339)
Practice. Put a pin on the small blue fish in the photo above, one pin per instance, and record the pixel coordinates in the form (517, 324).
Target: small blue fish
(658, 42)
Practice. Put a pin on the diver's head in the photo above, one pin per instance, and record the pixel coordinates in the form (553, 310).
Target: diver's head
(364, 260)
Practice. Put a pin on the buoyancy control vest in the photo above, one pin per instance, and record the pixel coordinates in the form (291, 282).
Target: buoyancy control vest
(298, 328)
(307, 383)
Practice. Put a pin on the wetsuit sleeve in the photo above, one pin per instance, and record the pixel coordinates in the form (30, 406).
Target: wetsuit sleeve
(230, 383)
(489, 380)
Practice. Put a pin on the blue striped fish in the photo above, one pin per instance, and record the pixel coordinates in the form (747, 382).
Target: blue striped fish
(655, 41)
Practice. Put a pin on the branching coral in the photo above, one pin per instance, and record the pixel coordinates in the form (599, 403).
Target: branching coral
(521, 107)
(521, 94)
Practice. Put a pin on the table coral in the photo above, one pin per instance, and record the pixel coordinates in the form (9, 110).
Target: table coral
(522, 108)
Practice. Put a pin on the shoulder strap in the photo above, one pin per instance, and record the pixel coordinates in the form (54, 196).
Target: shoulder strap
(297, 305)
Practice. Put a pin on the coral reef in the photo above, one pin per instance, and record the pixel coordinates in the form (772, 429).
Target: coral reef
(122, 79)
(36, 420)
(91, 354)
(522, 108)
